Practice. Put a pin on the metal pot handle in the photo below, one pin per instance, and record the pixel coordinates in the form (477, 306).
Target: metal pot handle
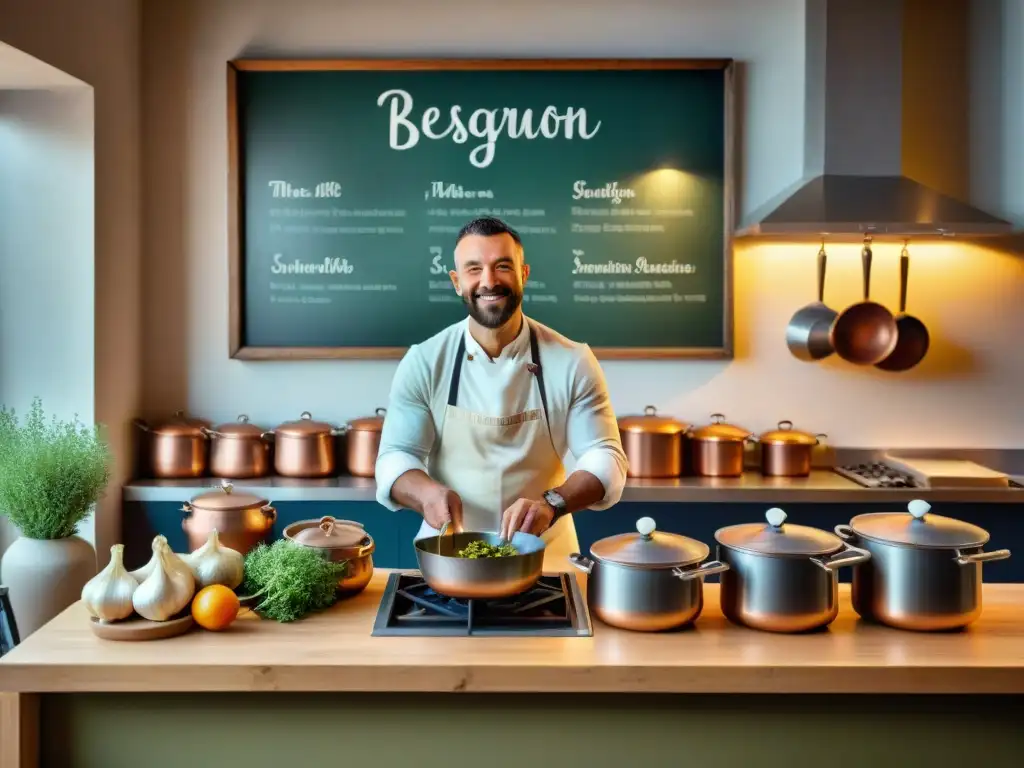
(981, 557)
(270, 513)
(584, 564)
(849, 555)
(715, 566)
(844, 532)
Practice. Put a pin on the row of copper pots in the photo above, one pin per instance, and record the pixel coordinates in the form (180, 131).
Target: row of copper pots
(662, 447)
(243, 521)
(184, 447)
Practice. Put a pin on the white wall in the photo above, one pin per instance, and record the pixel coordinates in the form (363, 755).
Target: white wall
(46, 253)
(966, 395)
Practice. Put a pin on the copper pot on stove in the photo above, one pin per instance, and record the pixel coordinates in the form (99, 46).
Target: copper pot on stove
(305, 448)
(653, 444)
(787, 452)
(242, 520)
(363, 443)
(718, 449)
(239, 449)
(176, 448)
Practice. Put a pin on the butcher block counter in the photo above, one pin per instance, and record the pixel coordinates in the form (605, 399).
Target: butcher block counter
(327, 672)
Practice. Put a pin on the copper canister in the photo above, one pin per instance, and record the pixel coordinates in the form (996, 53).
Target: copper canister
(718, 449)
(242, 520)
(787, 452)
(339, 540)
(363, 443)
(177, 448)
(239, 450)
(653, 444)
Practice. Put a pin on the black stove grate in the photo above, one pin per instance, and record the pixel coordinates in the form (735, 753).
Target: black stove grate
(552, 608)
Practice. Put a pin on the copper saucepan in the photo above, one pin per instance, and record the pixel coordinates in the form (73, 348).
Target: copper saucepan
(912, 335)
(864, 333)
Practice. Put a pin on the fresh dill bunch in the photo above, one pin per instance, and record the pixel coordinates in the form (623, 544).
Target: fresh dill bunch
(291, 580)
(51, 472)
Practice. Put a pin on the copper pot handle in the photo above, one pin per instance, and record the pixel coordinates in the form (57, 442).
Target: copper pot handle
(187, 509)
(819, 437)
(141, 425)
(270, 513)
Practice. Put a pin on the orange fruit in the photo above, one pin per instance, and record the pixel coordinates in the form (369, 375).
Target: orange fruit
(215, 607)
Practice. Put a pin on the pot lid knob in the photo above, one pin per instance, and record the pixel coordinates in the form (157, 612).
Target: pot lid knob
(919, 508)
(327, 525)
(226, 486)
(645, 526)
(775, 517)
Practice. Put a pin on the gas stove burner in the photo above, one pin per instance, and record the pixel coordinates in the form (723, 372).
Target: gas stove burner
(876, 474)
(552, 608)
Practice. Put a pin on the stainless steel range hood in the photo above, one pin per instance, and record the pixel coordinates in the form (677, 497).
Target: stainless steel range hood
(855, 181)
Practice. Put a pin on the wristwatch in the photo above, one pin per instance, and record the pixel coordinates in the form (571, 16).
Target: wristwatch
(554, 498)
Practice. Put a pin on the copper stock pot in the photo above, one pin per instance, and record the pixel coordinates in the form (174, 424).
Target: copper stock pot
(239, 449)
(653, 444)
(176, 448)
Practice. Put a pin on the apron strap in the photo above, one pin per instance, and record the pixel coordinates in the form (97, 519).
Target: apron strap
(453, 388)
(539, 373)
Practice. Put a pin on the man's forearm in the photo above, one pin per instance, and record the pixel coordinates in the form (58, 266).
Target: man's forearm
(580, 490)
(413, 488)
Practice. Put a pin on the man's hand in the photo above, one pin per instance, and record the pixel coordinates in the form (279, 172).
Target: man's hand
(528, 516)
(443, 505)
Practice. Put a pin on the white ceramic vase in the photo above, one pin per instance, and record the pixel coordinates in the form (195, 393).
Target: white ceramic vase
(45, 576)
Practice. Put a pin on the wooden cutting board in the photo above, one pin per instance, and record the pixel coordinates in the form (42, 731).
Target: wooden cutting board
(949, 473)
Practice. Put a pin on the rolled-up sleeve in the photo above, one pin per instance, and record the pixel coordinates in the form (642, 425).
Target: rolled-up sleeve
(408, 434)
(592, 431)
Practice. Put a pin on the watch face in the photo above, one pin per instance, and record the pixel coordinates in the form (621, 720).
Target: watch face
(552, 498)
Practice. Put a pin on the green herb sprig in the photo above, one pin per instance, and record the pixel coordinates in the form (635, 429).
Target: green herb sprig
(291, 579)
(479, 548)
(51, 472)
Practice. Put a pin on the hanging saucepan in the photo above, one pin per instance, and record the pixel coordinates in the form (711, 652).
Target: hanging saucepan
(911, 334)
(807, 334)
(865, 332)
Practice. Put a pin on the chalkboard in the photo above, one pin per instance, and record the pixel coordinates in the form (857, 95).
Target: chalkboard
(350, 179)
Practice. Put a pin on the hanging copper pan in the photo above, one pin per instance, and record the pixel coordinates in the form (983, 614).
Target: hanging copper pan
(864, 333)
(912, 335)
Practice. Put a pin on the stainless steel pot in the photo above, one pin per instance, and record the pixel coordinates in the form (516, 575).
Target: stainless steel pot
(782, 577)
(646, 581)
(653, 444)
(485, 578)
(238, 450)
(339, 541)
(363, 443)
(925, 569)
(305, 448)
(787, 452)
(718, 449)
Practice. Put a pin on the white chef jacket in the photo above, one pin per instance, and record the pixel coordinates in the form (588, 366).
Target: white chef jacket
(582, 422)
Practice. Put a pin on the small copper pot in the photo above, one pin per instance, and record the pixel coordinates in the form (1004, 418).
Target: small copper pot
(339, 540)
(363, 443)
(305, 448)
(653, 444)
(177, 448)
(787, 452)
(238, 450)
(718, 449)
(242, 520)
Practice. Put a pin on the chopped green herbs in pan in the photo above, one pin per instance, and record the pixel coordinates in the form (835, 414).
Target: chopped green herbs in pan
(478, 549)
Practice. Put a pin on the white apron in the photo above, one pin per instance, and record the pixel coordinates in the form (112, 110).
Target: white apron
(491, 461)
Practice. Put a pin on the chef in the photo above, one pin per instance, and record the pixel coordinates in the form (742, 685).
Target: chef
(482, 414)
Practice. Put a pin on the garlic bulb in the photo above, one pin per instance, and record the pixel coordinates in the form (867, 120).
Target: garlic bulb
(167, 590)
(177, 561)
(213, 563)
(108, 594)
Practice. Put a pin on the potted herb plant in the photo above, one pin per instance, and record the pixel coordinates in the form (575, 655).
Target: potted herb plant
(51, 475)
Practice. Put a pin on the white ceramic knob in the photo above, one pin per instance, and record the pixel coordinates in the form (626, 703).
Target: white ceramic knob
(919, 508)
(775, 517)
(645, 525)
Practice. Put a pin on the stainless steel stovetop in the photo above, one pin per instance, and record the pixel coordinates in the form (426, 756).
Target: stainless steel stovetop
(877, 474)
(552, 608)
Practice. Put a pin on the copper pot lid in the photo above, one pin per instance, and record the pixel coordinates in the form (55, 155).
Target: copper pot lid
(778, 537)
(305, 426)
(784, 434)
(649, 548)
(179, 425)
(719, 431)
(651, 423)
(226, 498)
(919, 528)
(369, 423)
(239, 428)
(330, 533)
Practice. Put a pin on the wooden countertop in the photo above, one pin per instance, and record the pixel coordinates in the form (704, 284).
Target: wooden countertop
(334, 651)
(822, 485)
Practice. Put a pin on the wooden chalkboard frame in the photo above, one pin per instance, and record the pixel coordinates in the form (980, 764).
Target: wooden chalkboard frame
(237, 348)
